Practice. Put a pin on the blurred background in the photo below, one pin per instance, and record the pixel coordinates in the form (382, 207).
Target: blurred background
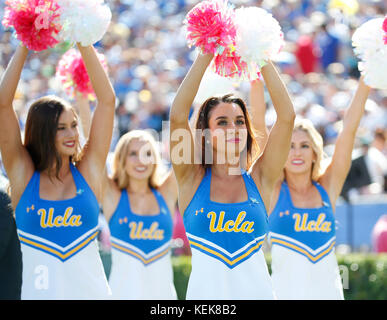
(148, 57)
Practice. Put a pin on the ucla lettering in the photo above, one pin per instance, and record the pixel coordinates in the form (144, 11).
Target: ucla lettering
(303, 224)
(47, 220)
(137, 231)
(237, 225)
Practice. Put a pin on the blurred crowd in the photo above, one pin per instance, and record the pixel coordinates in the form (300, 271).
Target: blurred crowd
(148, 58)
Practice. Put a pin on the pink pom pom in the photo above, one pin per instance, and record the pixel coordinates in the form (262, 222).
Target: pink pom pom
(36, 22)
(72, 73)
(210, 26)
(385, 30)
(229, 64)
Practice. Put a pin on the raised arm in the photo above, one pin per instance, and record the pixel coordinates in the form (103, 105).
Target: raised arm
(17, 161)
(179, 125)
(83, 109)
(258, 110)
(334, 177)
(93, 162)
(267, 170)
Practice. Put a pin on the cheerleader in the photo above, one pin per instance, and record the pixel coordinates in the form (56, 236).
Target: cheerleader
(224, 206)
(55, 186)
(138, 203)
(302, 221)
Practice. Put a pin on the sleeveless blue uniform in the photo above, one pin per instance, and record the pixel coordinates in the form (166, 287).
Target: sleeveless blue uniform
(58, 238)
(226, 239)
(141, 259)
(303, 261)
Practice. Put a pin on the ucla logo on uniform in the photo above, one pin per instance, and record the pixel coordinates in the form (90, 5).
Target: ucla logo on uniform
(67, 220)
(307, 231)
(237, 225)
(138, 232)
(67, 242)
(150, 251)
(302, 223)
(61, 228)
(218, 224)
(229, 232)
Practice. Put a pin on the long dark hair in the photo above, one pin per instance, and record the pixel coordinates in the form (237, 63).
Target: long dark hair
(202, 123)
(40, 132)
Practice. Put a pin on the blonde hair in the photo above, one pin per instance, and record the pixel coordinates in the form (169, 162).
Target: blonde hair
(120, 176)
(316, 139)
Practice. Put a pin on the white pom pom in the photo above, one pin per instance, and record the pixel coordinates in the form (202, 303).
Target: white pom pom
(84, 21)
(369, 46)
(375, 70)
(258, 39)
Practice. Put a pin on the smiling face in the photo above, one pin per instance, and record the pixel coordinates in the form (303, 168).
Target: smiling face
(140, 160)
(67, 135)
(301, 155)
(50, 133)
(228, 129)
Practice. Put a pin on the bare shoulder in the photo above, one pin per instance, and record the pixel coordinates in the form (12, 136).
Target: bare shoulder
(111, 196)
(269, 193)
(330, 186)
(275, 196)
(19, 177)
(169, 195)
(168, 187)
(170, 198)
(326, 181)
(91, 173)
(265, 189)
(188, 185)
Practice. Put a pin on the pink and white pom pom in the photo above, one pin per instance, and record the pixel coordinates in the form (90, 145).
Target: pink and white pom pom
(71, 72)
(370, 45)
(36, 22)
(210, 26)
(42, 24)
(241, 40)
